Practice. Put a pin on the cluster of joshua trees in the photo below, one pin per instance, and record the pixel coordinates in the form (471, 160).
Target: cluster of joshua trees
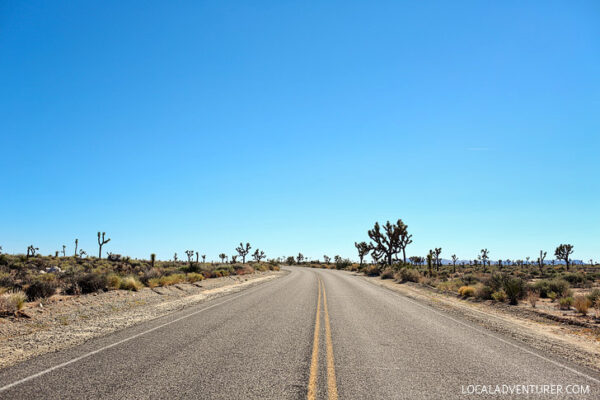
(389, 242)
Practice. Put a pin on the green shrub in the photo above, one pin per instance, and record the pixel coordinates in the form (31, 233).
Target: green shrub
(88, 283)
(552, 296)
(575, 278)
(483, 292)
(408, 275)
(515, 290)
(40, 289)
(342, 263)
(466, 291)
(499, 296)
(194, 277)
(556, 285)
(565, 303)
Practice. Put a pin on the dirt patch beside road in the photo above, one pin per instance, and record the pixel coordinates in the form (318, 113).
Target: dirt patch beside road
(579, 344)
(64, 321)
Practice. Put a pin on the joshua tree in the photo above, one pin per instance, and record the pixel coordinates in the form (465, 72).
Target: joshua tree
(82, 253)
(76, 244)
(300, 258)
(196, 257)
(363, 249)
(175, 257)
(101, 243)
(563, 252)
(64, 250)
(387, 244)
(484, 257)
(234, 259)
(203, 258)
(527, 258)
(454, 259)
(190, 255)
(31, 251)
(405, 240)
(258, 255)
(499, 264)
(243, 251)
(152, 260)
(222, 256)
(436, 254)
(56, 254)
(541, 260)
(429, 262)
(0, 249)
(326, 259)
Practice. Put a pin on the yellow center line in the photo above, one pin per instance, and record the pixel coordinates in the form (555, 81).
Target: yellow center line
(331, 383)
(314, 364)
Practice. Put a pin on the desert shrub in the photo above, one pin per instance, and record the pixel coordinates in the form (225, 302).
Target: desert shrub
(246, 270)
(451, 285)
(113, 281)
(515, 290)
(274, 268)
(194, 277)
(499, 296)
(483, 292)
(533, 297)
(371, 270)
(131, 283)
(565, 303)
(552, 296)
(7, 280)
(594, 296)
(556, 285)
(342, 263)
(12, 301)
(575, 278)
(466, 291)
(582, 304)
(154, 282)
(173, 279)
(88, 283)
(408, 275)
(40, 289)
(152, 273)
(387, 273)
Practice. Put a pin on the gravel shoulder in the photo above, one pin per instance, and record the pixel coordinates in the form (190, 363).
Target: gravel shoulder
(578, 344)
(65, 321)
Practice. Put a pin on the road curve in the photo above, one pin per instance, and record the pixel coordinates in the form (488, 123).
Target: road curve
(316, 334)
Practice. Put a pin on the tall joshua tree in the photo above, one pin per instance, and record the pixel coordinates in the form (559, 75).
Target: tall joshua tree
(76, 244)
(190, 255)
(175, 257)
(243, 251)
(300, 258)
(436, 254)
(203, 258)
(31, 251)
(258, 255)
(363, 249)
(405, 239)
(485, 255)
(152, 260)
(101, 242)
(234, 258)
(222, 256)
(326, 259)
(429, 262)
(386, 244)
(563, 252)
(541, 260)
(64, 251)
(454, 259)
(197, 257)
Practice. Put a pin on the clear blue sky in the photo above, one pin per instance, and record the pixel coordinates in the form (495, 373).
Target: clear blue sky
(295, 126)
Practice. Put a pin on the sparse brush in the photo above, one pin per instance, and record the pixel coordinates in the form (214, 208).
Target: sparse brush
(483, 292)
(40, 289)
(194, 277)
(131, 283)
(533, 297)
(582, 304)
(565, 303)
(12, 301)
(387, 273)
(408, 275)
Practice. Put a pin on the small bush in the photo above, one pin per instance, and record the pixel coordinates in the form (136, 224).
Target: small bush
(515, 290)
(172, 279)
(131, 283)
(552, 296)
(387, 273)
(91, 282)
(245, 270)
(533, 297)
(274, 267)
(565, 303)
(559, 286)
(594, 296)
(154, 282)
(582, 304)
(113, 281)
(371, 270)
(483, 292)
(466, 291)
(11, 302)
(575, 278)
(40, 289)
(194, 277)
(408, 275)
(499, 296)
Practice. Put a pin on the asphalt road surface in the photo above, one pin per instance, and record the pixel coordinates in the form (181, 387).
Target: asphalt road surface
(315, 334)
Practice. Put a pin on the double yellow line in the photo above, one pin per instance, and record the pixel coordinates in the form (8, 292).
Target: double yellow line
(314, 364)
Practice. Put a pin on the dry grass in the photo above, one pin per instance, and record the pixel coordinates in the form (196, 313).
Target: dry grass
(131, 283)
(114, 281)
(466, 291)
(532, 298)
(12, 301)
(582, 304)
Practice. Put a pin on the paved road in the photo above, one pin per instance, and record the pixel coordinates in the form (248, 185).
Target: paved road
(311, 334)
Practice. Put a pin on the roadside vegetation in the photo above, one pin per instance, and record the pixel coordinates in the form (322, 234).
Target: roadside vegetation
(33, 277)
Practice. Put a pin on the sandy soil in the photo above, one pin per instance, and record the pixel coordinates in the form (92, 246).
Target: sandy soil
(576, 343)
(65, 321)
